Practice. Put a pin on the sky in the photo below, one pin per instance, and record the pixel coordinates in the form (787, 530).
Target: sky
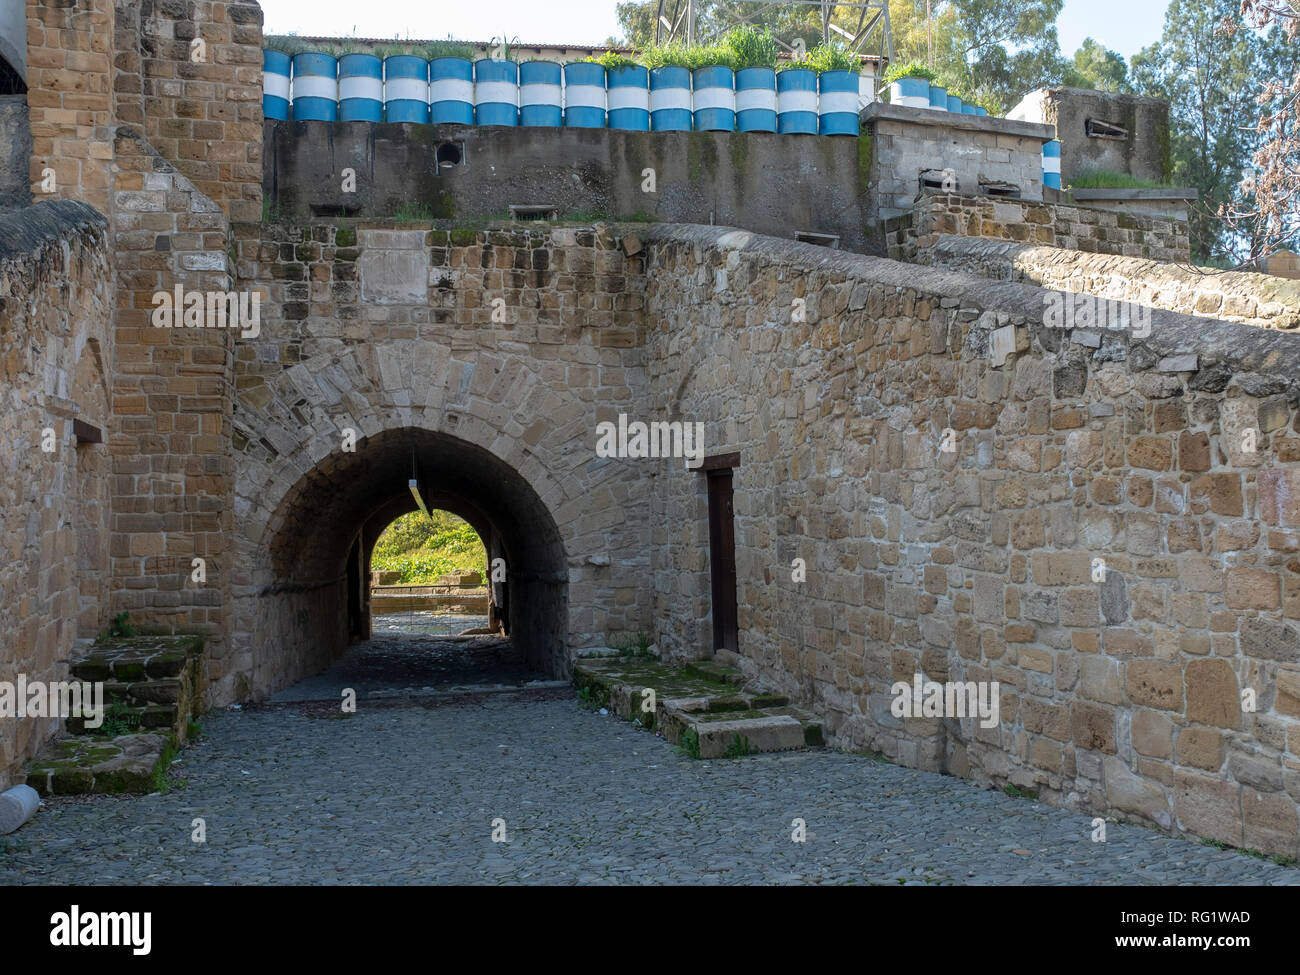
(1125, 26)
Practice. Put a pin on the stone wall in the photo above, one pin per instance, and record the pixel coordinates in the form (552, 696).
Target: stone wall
(200, 107)
(1261, 300)
(1120, 691)
(171, 442)
(911, 144)
(55, 302)
(69, 64)
(1094, 231)
(480, 361)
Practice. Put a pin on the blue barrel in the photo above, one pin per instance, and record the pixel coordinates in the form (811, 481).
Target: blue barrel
(315, 88)
(955, 104)
(541, 96)
(361, 88)
(1052, 165)
(451, 91)
(755, 100)
(796, 101)
(912, 92)
(496, 92)
(838, 104)
(406, 89)
(584, 95)
(628, 98)
(670, 99)
(939, 98)
(714, 99)
(275, 84)
(981, 111)
(968, 109)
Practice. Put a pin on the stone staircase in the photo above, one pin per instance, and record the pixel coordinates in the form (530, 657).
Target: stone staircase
(152, 691)
(703, 707)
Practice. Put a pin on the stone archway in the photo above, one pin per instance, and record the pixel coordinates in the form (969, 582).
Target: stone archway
(296, 605)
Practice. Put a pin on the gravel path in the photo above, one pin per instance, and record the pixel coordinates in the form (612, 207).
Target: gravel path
(408, 794)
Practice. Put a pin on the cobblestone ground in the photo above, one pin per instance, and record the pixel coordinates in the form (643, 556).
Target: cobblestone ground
(295, 793)
(398, 662)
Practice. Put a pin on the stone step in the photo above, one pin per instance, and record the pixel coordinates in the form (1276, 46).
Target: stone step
(703, 706)
(150, 717)
(150, 683)
(80, 766)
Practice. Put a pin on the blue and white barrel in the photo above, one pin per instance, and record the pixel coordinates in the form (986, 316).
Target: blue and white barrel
(838, 104)
(939, 98)
(912, 92)
(1052, 165)
(541, 95)
(361, 88)
(755, 100)
(315, 88)
(955, 104)
(670, 99)
(796, 101)
(627, 94)
(584, 95)
(406, 89)
(451, 91)
(496, 92)
(714, 99)
(275, 84)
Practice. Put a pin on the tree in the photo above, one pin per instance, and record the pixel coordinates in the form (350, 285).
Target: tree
(1209, 78)
(1266, 209)
(1096, 67)
(1001, 49)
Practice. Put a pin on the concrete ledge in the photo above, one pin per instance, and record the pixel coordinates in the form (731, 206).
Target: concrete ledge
(1137, 195)
(952, 120)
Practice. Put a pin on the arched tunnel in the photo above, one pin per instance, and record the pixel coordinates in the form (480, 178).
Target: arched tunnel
(322, 534)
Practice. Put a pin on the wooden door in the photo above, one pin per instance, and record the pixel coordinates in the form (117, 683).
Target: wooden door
(722, 560)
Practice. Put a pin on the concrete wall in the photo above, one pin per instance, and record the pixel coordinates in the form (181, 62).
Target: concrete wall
(1118, 696)
(769, 183)
(15, 152)
(909, 142)
(1142, 153)
(53, 502)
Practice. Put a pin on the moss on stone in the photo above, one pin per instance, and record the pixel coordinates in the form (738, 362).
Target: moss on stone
(346, 237)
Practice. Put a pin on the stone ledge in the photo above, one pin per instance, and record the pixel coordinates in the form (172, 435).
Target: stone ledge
(26, 231)
(1237, 347)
